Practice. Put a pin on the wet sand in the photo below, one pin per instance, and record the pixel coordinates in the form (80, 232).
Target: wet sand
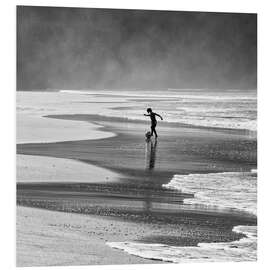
(87, 216)
(180, 149)
(138, 196)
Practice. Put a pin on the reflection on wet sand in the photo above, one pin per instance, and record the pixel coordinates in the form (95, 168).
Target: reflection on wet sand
(150, 159)
(115, 199)
(150, 154)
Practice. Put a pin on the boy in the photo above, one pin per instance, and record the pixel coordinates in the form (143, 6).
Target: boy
(152, 116)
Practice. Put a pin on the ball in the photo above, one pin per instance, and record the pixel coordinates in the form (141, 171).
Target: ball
(148, 135)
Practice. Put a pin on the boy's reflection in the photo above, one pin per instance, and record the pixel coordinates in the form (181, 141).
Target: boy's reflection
(151, 149)
(150, 159)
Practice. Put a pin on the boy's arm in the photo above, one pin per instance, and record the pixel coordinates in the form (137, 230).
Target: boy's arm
(146, 114)
(158, 116)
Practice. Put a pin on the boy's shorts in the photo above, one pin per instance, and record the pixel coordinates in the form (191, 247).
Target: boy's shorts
(153, 125)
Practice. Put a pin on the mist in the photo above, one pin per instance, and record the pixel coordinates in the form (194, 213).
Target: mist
(77, 48)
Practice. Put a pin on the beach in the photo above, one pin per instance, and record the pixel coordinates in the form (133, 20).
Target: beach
(95, 178)
(53, 238)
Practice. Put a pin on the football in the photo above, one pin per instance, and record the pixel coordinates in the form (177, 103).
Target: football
(148, 135)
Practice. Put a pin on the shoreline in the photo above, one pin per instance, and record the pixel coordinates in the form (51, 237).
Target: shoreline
(50, 238)
(97, 117)
(202, 252)
(197, 150)
(127, 143)
(117, 199)
(178, 229)
(144, 176)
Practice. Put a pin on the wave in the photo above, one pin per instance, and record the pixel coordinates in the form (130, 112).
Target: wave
(199, 121)
(209, 109)
(244, 249)
(183, 93)
(227, 190)
(119, 93)
(233, 190)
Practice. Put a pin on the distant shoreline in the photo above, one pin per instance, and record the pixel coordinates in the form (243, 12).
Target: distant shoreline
(93, 117)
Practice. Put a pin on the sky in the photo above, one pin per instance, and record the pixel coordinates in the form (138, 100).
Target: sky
(82, 48)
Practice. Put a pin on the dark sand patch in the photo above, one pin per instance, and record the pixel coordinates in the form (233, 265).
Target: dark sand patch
(145, 100)
(100, 102)
(125, 108)
(187, 226)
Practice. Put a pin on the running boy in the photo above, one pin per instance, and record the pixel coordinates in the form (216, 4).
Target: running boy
(152, 116)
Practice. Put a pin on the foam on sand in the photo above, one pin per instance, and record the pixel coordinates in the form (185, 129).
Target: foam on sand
(229, 190)
(243, 250)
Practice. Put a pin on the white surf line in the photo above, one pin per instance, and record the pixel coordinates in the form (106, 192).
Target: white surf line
(244, 249)
(129, 94)
(225, 190)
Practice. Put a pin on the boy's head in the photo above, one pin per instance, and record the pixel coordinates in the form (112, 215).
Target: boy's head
(149, 110)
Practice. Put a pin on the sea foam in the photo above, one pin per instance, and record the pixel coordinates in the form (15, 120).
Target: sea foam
(233, 110)
(227, 190)
(244, 249)
(231, 190)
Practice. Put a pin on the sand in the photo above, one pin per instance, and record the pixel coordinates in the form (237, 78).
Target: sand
(46, 238)
(31, 126)
(133, 172)
(179, 150)
(52, 170)
(76, 232)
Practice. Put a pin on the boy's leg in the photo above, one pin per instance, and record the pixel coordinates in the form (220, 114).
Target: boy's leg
(152, 130)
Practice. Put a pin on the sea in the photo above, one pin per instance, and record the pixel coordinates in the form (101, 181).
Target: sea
(236, 109)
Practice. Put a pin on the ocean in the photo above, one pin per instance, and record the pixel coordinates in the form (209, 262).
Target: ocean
(222, 109)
